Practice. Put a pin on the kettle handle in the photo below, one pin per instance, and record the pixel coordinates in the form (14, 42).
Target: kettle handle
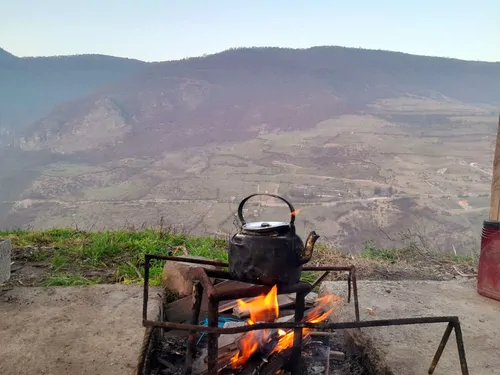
(242, 203)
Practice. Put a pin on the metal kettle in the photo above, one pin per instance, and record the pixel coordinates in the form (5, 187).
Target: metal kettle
(269, 252)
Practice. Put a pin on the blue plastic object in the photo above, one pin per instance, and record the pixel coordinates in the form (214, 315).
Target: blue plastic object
(220, 323)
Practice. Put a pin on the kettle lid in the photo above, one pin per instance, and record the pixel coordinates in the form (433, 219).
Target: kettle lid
(265, 226)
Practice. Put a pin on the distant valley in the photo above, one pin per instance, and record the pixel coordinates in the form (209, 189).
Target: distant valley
(371, 145)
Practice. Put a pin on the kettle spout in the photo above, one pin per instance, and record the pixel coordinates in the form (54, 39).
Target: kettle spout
(309, 247)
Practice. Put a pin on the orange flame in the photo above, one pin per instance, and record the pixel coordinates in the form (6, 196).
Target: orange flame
(314, 316)
(296, 212)
(265, 308)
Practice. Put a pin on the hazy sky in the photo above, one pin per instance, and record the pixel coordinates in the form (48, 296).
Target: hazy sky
(171, 29)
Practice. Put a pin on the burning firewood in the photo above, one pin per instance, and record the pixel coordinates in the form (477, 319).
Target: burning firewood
(266, 351)
(283, 301)
(223, 361)
(275, 361)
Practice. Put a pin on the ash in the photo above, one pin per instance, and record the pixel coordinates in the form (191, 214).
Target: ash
(315, 358)
(169, 354)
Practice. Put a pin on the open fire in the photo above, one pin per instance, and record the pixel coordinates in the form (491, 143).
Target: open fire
(265, 308)
(259, 351)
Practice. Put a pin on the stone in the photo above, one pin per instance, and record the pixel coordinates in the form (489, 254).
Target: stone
(5, 260)
(176, 278)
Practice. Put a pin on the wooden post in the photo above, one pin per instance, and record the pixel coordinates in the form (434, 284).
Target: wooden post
(495, 181)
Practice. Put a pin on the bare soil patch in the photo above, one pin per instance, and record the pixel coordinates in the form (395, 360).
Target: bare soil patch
(72, 330)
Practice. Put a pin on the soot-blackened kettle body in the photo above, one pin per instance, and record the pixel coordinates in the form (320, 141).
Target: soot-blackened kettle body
(269, 252)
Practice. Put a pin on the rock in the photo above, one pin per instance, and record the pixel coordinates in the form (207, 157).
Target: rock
(176, 278)
(5, 260)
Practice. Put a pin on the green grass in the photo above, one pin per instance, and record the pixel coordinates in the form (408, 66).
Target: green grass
(84, 258)
(69, 280)
(71, 250)
(376, 253)
(309, 276)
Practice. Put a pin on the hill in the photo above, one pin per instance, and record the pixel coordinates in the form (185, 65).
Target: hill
(237, 93)
(31, 87)
(372, 145)
(6, 56)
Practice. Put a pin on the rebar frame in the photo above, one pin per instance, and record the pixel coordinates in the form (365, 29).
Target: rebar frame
(202, 283)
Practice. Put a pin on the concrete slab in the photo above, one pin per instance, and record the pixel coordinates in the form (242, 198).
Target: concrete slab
(5, 260)
(72, 330)
(408, 350)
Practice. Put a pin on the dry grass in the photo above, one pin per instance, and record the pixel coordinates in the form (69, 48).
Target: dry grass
(396, 264)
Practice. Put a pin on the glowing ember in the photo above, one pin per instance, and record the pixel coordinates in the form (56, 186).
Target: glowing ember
(265, 308)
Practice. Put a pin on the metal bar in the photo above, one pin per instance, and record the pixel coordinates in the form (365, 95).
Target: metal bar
(215, 263)
(319, 279)
(452, 320)
(224, 264)
(440, 348)
(195, 318)
(213, 337)
(461, 347)
(300, 304)
(349, 286)
(355, 292)
(257, 290)
(147, 259)
(291, 325)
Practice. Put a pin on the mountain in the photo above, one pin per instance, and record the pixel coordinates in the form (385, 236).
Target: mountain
(370, 145)
(233, 95)
(31, 87)
(6, 56)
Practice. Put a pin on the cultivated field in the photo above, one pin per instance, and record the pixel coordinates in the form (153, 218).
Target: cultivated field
(408, 171)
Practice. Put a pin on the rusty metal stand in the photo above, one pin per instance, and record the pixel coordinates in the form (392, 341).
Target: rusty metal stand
(203, 284)
(300, 304)
(195, 318)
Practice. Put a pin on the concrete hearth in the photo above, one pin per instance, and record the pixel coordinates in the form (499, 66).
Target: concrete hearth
(408, 350)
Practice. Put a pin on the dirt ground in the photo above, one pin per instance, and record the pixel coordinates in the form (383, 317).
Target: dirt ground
(408, 350)
(97, 329)
(71, 330)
